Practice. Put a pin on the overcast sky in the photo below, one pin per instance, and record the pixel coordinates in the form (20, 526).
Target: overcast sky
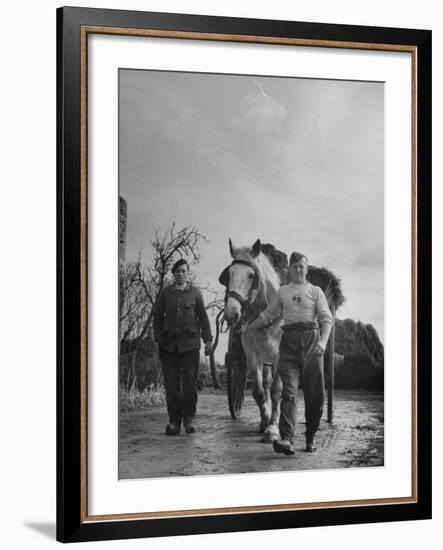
(295, 162)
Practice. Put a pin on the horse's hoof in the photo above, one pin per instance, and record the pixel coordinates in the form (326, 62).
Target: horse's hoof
(269, 436)
(263, 426)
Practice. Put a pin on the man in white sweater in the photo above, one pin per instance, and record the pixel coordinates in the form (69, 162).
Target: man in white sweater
(302, 347)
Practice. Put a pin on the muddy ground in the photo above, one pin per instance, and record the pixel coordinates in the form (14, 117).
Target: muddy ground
(222, 445)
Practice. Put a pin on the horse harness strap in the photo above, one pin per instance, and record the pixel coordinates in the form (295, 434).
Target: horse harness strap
(237, 296)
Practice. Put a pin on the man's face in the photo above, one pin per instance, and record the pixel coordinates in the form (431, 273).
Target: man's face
(298, 271)
(181, 275)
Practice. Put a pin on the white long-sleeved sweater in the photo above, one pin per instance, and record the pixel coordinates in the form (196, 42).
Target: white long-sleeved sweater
(298, 303)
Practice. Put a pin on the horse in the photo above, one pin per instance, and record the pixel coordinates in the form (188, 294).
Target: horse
(251, 283)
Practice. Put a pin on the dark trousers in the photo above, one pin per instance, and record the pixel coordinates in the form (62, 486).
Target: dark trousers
(180, 372)
(299, 367)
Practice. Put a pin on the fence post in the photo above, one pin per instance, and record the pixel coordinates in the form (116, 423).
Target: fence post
(330, 361)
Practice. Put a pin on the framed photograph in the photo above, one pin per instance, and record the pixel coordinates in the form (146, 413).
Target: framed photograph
(244, 274)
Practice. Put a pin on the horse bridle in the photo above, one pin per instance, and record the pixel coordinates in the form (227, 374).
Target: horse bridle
(244, 302)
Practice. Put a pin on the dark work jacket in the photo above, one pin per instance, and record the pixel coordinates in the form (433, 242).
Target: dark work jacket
(180, 319)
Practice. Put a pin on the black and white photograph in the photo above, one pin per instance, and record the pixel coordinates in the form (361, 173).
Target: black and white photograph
(220, 228)
(251, 274)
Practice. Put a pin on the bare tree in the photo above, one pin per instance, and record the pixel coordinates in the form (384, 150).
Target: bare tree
(136, 299)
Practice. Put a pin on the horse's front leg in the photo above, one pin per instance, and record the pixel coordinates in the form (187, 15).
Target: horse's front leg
(258, 393)
(272, 431)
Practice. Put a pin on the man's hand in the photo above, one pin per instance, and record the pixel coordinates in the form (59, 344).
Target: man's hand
(320, 348)
(208, 348)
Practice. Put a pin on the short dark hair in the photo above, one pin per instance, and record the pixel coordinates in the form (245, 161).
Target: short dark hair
(178, 263)
(297, 257)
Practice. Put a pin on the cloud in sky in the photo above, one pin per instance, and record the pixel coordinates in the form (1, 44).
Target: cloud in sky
(295, 162)
(262, 113)
(371, 258)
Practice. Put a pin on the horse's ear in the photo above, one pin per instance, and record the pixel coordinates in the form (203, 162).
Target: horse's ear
(232, 249)
(256, 248)
(224, 277)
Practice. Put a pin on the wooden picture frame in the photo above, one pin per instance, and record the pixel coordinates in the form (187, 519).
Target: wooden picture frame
(74, 25)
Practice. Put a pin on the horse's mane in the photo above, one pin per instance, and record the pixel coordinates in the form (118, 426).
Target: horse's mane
(265, 269)
(278, 259)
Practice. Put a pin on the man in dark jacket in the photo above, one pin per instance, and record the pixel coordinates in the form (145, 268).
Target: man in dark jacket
(180, 320)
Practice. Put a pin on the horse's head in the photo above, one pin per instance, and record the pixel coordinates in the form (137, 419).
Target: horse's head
(241, 280)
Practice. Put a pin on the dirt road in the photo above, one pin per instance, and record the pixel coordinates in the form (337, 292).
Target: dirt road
(222, 445)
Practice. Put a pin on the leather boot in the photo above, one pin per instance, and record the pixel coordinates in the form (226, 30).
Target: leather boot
(172, 429)
(189, 425)
(283, 446)
(310, 447)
